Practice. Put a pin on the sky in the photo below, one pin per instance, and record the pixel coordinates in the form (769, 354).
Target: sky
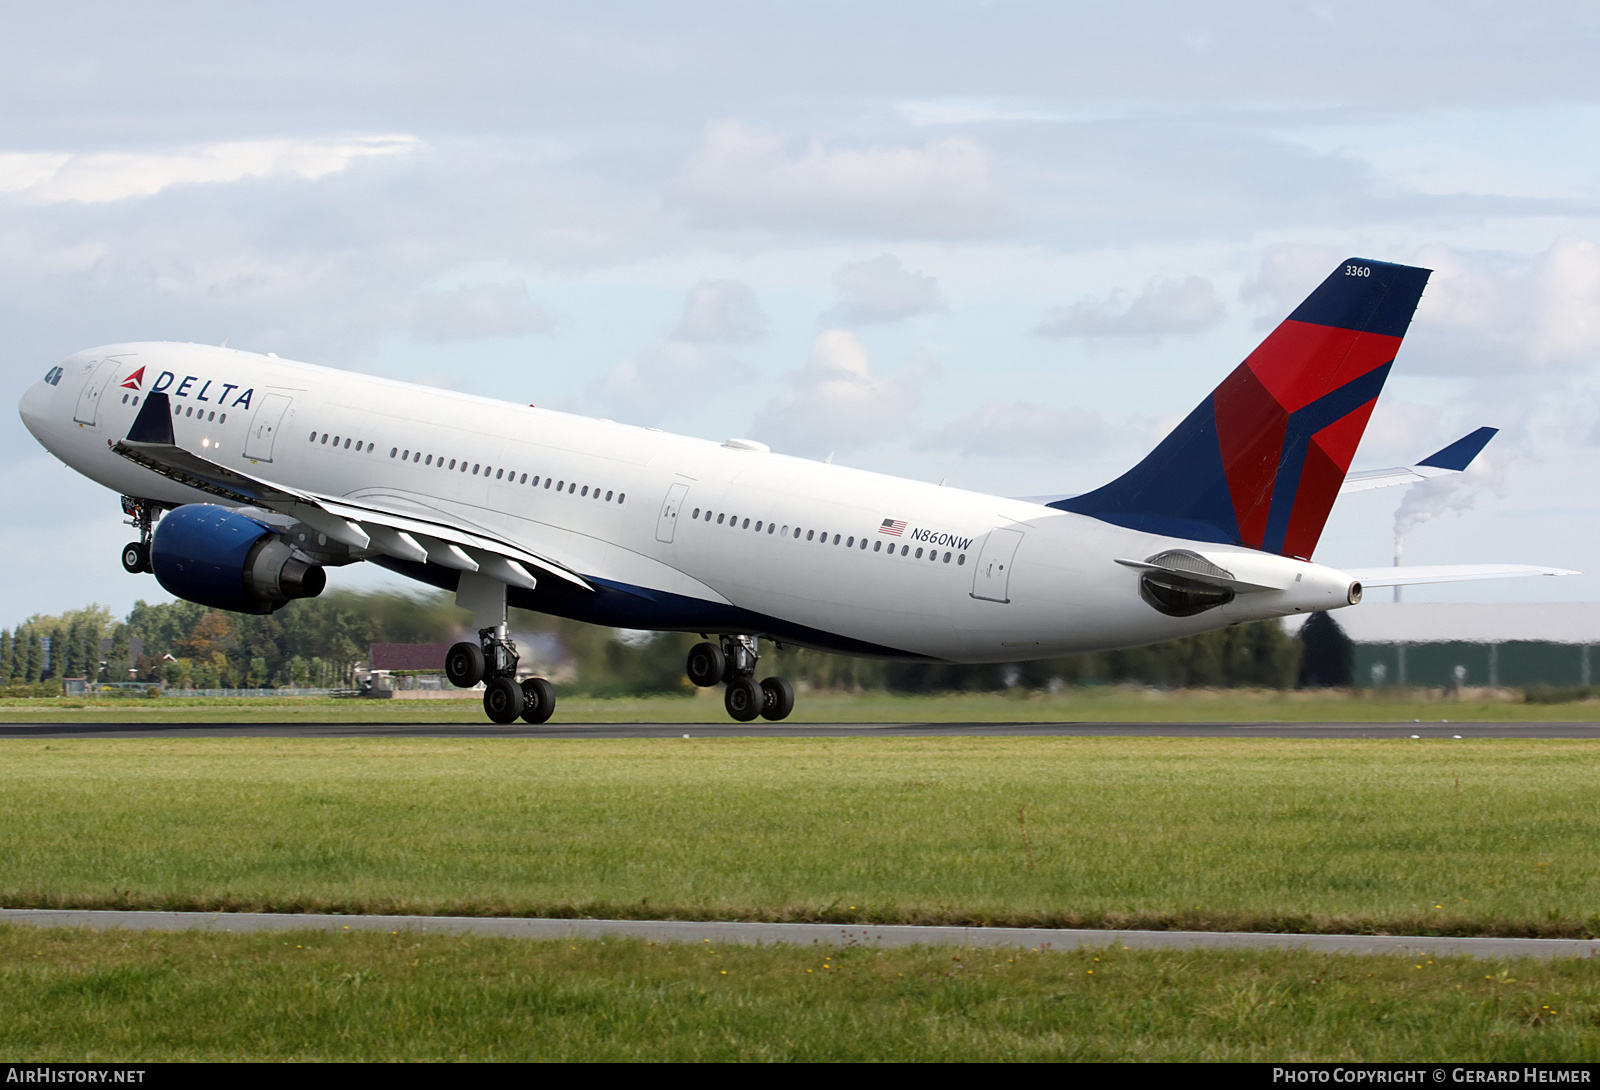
(1005, 245)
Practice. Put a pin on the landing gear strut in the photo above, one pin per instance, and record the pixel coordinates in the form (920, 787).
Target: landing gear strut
(493, 659)
(136, 554)
(735, 663)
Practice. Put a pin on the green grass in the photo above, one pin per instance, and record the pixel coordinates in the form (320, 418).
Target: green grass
(1099, 704)
(70, 995)
(1445, 837)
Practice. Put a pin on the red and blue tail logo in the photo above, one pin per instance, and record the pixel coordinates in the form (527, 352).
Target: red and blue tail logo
(1260, 461)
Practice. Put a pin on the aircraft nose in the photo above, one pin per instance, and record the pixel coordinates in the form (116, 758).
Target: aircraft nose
(34, 406)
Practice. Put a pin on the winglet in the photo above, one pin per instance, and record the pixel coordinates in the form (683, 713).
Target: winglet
(1459, 455)
(154, 422)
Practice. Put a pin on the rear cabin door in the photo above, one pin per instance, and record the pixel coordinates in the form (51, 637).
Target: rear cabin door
(667, 523)
(992, 579)
(264, 428)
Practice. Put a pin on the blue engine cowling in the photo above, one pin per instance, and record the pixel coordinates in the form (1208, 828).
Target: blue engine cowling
(220, 558)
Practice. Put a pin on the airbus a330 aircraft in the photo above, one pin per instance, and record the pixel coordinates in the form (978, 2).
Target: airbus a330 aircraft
(247, 475)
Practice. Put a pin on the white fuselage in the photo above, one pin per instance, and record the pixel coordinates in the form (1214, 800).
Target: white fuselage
(968, 578)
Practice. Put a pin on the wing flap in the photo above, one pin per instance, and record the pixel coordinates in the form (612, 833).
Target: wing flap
(150, 443)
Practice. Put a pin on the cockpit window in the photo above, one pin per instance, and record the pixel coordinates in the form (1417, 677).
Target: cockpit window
(53, 376)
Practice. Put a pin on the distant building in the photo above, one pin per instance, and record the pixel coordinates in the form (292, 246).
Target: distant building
(1446, 644)
(408, 666)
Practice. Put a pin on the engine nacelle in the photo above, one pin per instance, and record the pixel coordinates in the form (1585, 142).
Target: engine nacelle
(220, 558)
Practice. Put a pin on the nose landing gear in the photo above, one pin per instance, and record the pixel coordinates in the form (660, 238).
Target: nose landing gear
(136, 554)
(735, 663)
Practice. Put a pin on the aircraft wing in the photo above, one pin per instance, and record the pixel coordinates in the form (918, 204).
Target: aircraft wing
(1446, 573)
(359, 524)
(1452, 459)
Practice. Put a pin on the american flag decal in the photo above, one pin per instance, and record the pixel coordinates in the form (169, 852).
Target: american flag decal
(892, 527)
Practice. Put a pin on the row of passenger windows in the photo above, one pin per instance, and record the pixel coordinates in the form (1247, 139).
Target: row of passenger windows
(850, 542)
(510, 476)
(360, 445)
(181, 410)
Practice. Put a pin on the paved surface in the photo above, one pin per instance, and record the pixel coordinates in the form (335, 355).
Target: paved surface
(1432, 729)
(809, 934)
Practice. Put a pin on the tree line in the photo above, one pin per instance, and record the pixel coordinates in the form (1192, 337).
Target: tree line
(321, 642)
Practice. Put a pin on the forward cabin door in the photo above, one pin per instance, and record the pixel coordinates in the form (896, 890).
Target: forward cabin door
(991, 581)
(89, 399)
(264, 428)
(667, 523)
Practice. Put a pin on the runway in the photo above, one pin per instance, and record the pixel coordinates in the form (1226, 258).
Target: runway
(1421, 730)
(810, 934)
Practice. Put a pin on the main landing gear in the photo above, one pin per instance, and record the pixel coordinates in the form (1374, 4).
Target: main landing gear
(136, 554)
(734, 662)
(493, 659)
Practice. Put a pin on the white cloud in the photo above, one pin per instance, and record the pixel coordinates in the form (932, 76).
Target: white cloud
(479, 310)
(685, 365)
(1484, 314)
(721, 311)
(837, 403)
(1286, 275)
(1019, 430)
(741, 176)
(52, 178)
(883, 290)
(1189, 305)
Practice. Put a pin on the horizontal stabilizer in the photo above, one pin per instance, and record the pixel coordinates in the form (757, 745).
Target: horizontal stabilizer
(1446, 573)
(1452, 459)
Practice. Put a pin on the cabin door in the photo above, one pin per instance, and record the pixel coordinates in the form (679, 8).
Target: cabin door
(667, 524)
(992, 579)
(264, 428)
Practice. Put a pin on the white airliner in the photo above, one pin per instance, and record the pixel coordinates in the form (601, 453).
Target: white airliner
(246, 475)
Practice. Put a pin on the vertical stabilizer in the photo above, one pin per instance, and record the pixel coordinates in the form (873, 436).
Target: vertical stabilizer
(1260, 461)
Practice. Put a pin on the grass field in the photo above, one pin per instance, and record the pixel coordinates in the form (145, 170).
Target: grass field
(1099, 704)
(1442, 836)
(78, 995)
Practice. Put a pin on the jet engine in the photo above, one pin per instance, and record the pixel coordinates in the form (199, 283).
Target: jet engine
(226, 560)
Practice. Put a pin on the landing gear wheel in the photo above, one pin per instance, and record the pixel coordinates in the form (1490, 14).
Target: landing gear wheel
(502, 699)
(135, 557)
(707, 664)
(464, 665)
(743, 699)
(778, 699)
(538, 700)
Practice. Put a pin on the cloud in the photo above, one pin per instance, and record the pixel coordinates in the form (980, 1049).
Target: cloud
(837, 403)
(1488, 315)
(721, 311)
(1189, 305)
(882, 290)
(686, 363)
(1286, 275)
(480, 310)
(741, 176)
(99, 177)
(1019, 430)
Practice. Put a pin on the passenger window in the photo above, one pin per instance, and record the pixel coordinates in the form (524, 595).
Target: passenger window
(758, 526)
(608, 495)
(313, 437)
(836, 539)
(877, 546)
(499, 473)
(719, 520)
(347, 444)
(904, 549)
(696, 514)
(524, 479)
(947, 558)
(571, 488)
(745, 525)
(428, 461)
(810, 534)
(547, 483)
(960, 560)
(585, 491)
(919, 554)
(771, 526)
(621, 496)
(392, 450)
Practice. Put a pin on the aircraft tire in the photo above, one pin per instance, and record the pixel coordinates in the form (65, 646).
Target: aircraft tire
(135, 557)
(502, 699)
(743, 699)
(464, 665)
(707, 665)
(777, 699)
(538, 700)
